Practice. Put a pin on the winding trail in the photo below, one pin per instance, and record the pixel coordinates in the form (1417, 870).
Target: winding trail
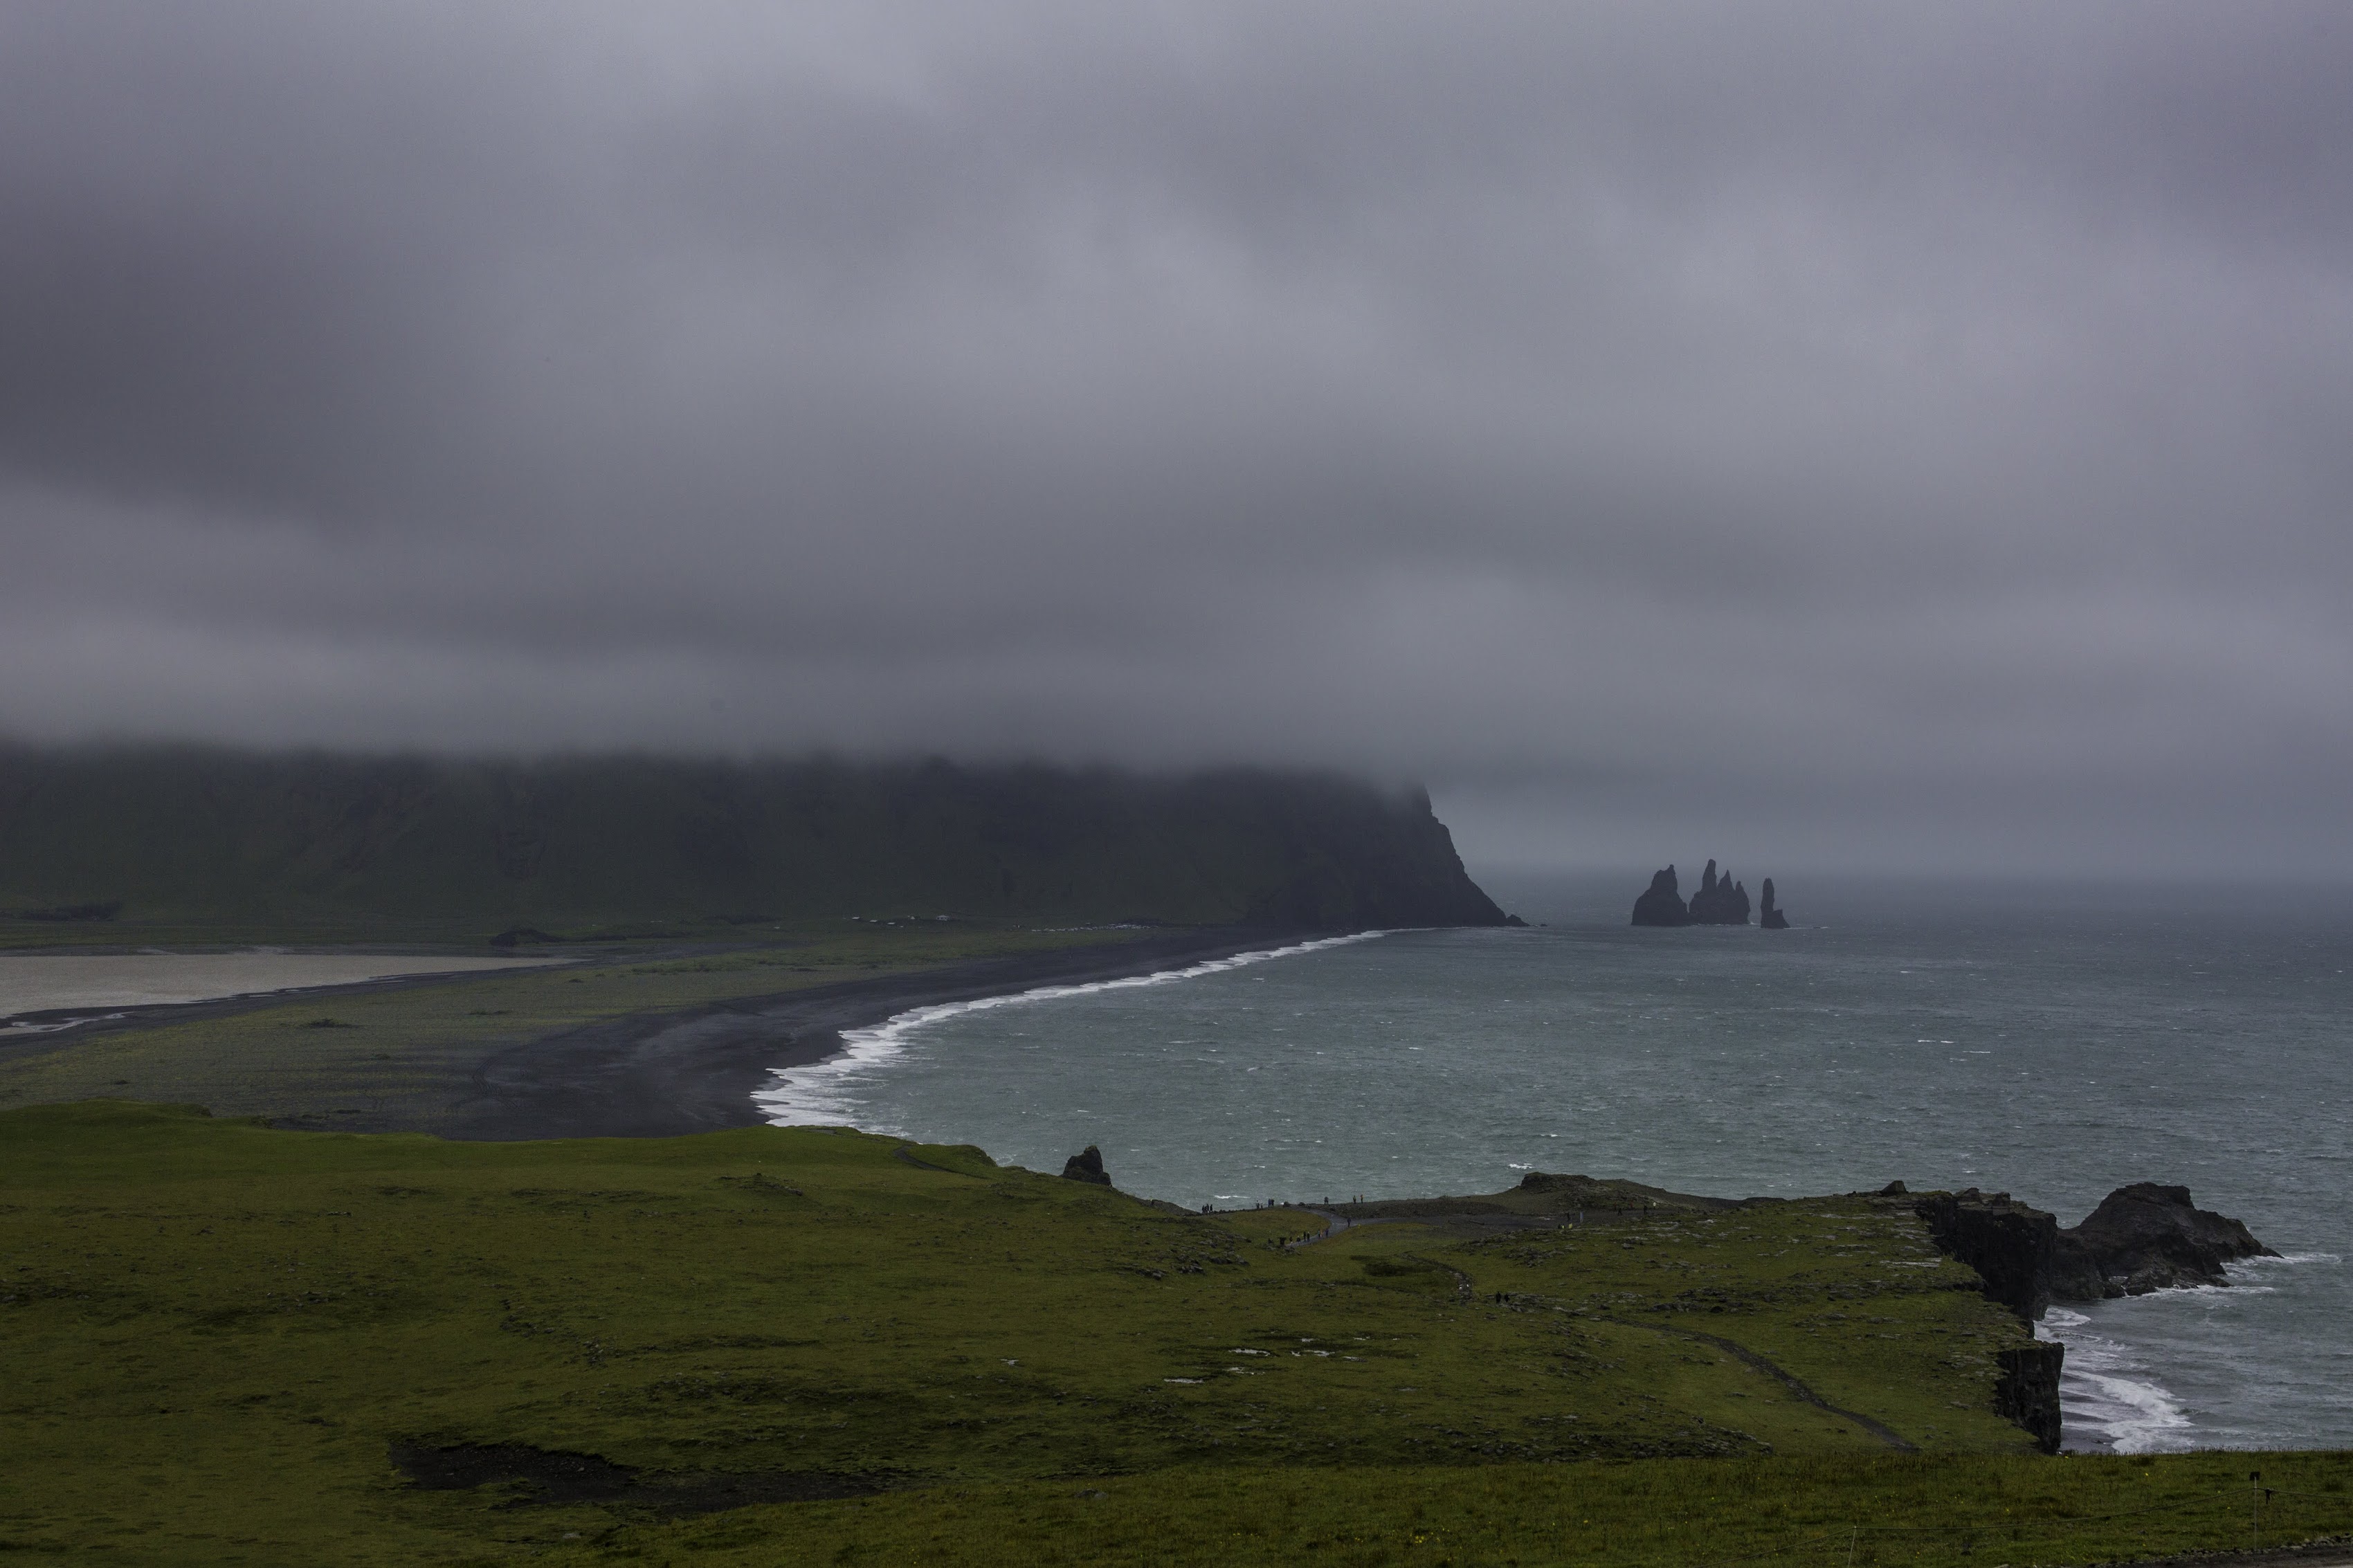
(1333, 1224)
(1780, 1374)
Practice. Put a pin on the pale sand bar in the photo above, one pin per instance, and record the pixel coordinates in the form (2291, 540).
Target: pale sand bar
(57, 983)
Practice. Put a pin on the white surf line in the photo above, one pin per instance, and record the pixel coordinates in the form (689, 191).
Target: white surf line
(2108, 1400)
(817, 1094)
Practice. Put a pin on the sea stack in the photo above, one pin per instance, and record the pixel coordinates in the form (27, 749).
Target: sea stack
(1720, 901)
(1768, 914)
(1662, 905)
(1086, 1166)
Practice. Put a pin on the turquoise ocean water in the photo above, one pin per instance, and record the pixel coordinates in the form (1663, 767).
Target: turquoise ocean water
(2054, 1043)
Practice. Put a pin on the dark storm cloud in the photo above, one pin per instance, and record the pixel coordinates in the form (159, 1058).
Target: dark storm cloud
(1852, 433)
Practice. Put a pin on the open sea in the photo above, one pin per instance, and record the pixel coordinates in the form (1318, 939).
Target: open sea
(2050, 1042)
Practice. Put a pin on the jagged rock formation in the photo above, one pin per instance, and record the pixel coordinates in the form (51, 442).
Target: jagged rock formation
(1720, 901)
(1717, 902)
(1086, 1166)
(1768, 914)
(1662, 905)
(2147, 1238)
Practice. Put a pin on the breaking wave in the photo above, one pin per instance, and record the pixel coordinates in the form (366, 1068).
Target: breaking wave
(822, 1092)
(2108, 1402)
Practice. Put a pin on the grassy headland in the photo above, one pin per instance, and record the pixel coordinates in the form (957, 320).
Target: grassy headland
(229, 1343)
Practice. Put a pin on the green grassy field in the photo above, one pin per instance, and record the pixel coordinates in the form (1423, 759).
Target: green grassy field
(219, 1337)
(1933, 1511)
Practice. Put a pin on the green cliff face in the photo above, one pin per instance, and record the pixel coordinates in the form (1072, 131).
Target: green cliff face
(185, 834)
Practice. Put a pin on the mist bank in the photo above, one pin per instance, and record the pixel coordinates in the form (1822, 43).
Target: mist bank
(146, 834)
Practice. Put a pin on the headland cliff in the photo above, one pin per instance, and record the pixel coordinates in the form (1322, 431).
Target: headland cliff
(566, 843)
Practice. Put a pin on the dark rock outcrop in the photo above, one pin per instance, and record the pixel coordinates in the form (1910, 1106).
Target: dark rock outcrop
(2009, 1244)
(2028, 1393)
(2143, 1238)
(1768, 914)
(1086, 1166)
(2075, 1274)
(1662, 905)
(1720, 901)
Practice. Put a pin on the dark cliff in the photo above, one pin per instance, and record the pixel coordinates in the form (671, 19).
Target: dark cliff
(2009, 1244)
(2028, 1392)
(191, 834)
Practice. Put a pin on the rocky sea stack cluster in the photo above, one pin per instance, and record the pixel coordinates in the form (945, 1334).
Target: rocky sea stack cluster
(1717, 902)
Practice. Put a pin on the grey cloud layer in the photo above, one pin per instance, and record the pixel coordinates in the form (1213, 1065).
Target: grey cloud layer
(1874, 433)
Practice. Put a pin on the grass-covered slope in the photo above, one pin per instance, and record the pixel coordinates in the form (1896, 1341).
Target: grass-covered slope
(263, 1318)
(226, 1344)
(187, 834)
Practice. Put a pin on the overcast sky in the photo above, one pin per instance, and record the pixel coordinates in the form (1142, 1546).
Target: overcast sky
(1820, 436)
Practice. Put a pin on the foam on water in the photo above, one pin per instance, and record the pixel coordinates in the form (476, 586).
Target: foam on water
(2109, 1402)
(821, 1093)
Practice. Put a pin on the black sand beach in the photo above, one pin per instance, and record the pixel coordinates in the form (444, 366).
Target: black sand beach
(662, 1045)
(659, 1075)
